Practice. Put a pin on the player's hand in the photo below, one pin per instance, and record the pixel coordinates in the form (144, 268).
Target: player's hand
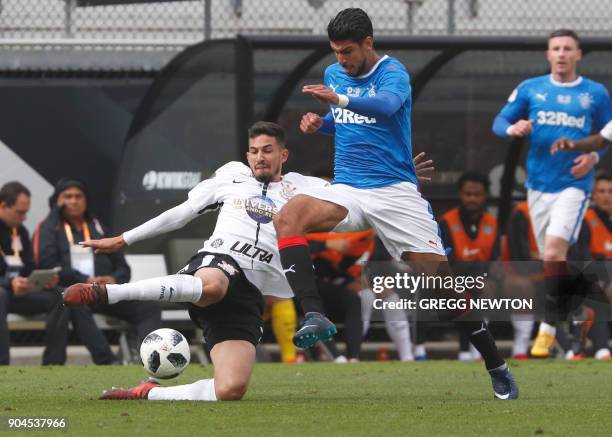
(322, 93)
(310, 123)
(583, 164)
(423, 167)
(21, 285)
(521, 128)
(339, 245)
(52, 282)
(561, 144)
(105, 245)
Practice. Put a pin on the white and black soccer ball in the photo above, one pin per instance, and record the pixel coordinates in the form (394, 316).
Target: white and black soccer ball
(165, 353)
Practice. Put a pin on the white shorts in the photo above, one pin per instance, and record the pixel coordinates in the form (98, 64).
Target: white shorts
(270, 282)
(558, 214)
(401, 217)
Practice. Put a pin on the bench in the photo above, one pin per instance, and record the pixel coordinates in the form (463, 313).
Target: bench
(143, 267)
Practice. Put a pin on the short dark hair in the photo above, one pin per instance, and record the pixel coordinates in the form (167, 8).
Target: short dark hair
(603, 176)
(350, 24)
(565, 32)
(473, 176)
(11, 191)
(270, 129)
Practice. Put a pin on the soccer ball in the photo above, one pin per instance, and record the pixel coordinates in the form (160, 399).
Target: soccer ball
(165, 353)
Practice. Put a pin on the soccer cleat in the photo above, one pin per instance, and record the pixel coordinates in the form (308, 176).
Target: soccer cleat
(315, 327)
(140, 392)
(504, 385)
(85, 294)
(542, 345)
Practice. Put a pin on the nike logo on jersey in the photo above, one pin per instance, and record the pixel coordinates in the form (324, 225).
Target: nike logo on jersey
(238, 182)
(504, 397)
(345, 116)
(554, 118)
(290, 269)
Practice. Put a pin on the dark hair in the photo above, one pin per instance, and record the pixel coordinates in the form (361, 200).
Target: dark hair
(62, 185)
(603, 176)
(473, 176)
(350, 24)
(268, 128)
(11, 191)
(565, 32)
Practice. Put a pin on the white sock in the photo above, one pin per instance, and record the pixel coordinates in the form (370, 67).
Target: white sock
(202, 390)
(173, 288)
(398, 329)
(367, 300)
(548, 329)
(522, 334)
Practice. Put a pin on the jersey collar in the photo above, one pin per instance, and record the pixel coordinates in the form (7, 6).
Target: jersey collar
(574, 83)
(369, 73)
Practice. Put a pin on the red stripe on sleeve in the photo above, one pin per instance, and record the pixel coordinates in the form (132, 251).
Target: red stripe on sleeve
(296, 240)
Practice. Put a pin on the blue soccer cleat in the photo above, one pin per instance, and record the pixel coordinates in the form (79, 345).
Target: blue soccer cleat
(504, 385)
(315, 327)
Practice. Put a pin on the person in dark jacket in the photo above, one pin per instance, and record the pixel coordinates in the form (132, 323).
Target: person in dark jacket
(56, 244)
(19, 295)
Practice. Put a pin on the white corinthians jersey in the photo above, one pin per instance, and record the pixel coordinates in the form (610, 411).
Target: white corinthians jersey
(244, 228)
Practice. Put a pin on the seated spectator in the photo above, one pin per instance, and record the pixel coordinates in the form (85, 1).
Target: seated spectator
(471, 234)
(17, 293)
(598, 220)
(56, 244)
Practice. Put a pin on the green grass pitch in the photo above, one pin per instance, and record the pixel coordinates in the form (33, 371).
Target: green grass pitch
(557, 398)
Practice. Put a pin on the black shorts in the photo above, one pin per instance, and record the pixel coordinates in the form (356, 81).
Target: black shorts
(238, 316)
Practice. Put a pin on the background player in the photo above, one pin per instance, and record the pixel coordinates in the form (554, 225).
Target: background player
(375, 184)
(544, 108)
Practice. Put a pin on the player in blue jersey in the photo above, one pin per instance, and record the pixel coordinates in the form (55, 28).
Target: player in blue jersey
(374, 180)
(543, 109)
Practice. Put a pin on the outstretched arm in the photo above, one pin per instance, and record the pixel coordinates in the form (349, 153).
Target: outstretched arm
(588, 144)
(167, 221)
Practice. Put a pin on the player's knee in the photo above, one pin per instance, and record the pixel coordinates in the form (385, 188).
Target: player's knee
(214, 289)
(285, 225)
(230, 390)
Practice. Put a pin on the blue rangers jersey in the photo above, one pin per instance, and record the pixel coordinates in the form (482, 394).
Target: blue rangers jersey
(372, 152)
(573, 110)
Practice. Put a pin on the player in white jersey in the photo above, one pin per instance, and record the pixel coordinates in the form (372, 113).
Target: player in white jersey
(223, 283)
